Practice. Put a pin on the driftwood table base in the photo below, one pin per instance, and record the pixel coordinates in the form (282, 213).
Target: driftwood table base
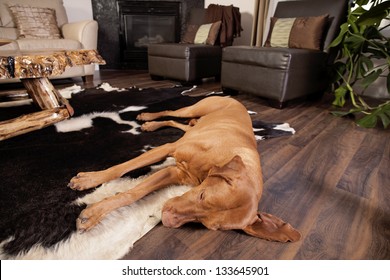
(31, 122)
(42, 91)
(54, 107)
(33, 71)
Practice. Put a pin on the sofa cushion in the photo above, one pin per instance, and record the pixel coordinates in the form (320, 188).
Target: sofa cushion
(12, 46)
(300, 32)
(42, 44)
(8, 33)
(35, 22)
(57, 5)
(270, 58)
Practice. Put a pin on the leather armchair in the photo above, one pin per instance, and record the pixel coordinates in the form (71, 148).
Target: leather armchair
(280, 74)
(188, 62)
(185, 62)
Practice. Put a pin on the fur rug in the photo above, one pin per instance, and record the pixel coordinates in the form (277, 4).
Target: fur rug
(38, 210)
(116, 234)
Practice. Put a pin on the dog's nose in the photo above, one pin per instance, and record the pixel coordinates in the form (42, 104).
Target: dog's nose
(169, 219)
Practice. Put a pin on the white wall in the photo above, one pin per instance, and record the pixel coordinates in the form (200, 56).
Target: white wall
(78, 9)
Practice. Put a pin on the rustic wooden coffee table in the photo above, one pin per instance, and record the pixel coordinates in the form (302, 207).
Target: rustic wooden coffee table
(33, 69)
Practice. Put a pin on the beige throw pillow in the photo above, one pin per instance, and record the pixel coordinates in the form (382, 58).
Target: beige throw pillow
(7, 18)
(35, 22)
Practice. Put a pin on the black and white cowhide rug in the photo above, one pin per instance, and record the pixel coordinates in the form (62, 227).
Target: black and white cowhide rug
(38, 210)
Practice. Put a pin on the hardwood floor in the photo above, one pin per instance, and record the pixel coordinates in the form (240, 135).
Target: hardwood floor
(331, 180)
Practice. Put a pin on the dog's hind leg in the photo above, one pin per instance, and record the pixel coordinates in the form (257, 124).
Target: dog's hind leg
(87, 180)
(94, 213)
(154, 125)
(199, 109)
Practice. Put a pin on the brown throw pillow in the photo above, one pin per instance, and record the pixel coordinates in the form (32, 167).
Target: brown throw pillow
(189, 35)
(300, 32)
(202, 34)
(35, 22)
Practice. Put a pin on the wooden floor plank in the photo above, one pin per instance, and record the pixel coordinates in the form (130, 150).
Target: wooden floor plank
(357, 175)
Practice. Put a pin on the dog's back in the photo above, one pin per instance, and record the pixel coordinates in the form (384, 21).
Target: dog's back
(224, 131)
(225, 117)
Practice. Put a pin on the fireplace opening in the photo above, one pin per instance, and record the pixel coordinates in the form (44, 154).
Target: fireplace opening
(143, 23)
(140, 31)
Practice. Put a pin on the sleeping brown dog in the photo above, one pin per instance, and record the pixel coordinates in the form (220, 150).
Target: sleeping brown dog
(217, 155)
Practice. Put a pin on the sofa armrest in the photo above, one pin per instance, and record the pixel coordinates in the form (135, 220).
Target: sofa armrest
(85, 32)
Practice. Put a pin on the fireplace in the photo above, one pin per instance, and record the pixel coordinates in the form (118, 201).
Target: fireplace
(143, 23)
(123, 40)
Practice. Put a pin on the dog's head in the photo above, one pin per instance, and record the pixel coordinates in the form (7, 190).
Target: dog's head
(227, 199)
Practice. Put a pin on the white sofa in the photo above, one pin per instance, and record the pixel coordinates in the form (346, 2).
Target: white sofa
(75, 35)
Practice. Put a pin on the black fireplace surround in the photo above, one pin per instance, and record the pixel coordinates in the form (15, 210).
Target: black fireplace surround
(126, 27)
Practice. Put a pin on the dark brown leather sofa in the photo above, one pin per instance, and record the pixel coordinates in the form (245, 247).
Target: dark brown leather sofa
(281, 74)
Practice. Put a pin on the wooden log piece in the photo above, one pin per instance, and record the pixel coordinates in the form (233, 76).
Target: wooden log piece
(43, 93)
(31, 122)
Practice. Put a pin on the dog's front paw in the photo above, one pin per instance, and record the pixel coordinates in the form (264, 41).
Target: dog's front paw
(150, 126)
(89, 217)
(146, 117)
(87, 180)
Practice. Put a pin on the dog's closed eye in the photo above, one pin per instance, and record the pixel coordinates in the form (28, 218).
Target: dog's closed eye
(202, 195)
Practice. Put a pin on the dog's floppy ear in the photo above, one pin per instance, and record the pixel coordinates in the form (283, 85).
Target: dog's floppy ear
(233, 167)
(272, 228)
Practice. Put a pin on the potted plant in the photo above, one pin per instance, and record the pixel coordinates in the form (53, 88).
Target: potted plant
(363, 57)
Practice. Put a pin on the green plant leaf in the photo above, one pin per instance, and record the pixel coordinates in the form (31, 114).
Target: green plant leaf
(358, 11)
(388, 83)
(360, 42)
(365, 65)
(362, 2)
(369, 79)
(368, 121)
(340, 93)
(375, 53)
(338, 70)
(345, 113)
(375, 14)
(355, 40)
(340, 113)
(355, 43)
(385, 120)
(343, 29)
(380, 113)
(371, 32)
